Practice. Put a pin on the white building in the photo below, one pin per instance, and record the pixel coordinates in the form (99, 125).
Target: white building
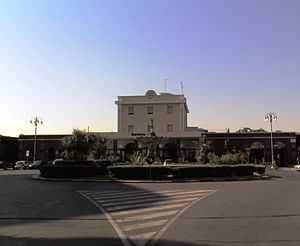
(169, 115)
(168, 111)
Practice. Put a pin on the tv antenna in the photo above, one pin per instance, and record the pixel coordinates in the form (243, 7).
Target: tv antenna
(181, 85)
(166, 85)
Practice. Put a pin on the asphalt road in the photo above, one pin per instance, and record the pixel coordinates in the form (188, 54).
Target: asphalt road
(263, 212)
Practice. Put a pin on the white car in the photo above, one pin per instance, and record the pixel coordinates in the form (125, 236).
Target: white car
(168, 162)
(35, 164)
(21, 165)
(297, 167)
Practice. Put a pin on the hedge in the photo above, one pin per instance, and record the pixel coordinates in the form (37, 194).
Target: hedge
(139, 172)
(73, 163)
(195, 171)
(261, 169)
(102, 166)
(68, 171)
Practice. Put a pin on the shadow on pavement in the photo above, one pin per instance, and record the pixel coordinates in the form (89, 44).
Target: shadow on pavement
(30, 209)
(12, 241)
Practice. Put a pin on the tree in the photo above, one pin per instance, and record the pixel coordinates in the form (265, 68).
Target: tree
(204, 147)
(76, 146)
(81, 145)
(98, 146)
(248, 129)
(245, 129)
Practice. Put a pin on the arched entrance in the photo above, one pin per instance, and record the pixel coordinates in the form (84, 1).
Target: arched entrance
(280, 153)
(129, 149)
(257, 153)
(170, 151)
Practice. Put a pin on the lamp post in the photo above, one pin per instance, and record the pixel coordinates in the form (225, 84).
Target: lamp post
(36, 121)
(271, 117)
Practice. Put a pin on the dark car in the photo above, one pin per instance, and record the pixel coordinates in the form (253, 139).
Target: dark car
(6, 164)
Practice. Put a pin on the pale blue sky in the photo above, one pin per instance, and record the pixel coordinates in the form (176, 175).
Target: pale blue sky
(67, 61)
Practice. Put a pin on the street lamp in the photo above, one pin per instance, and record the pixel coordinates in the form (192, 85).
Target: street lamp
(271, 117)
(36, 121)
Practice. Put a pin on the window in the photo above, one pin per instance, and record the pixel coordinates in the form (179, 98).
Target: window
(150, 109)
(130, 110)
(169, 127)
(170, 110)
(130, 128)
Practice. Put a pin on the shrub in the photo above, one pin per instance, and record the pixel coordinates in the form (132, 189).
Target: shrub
(213, 158)
(230, 159)
(139, 172)
(137, 158)
(214, 171)
(196, 171)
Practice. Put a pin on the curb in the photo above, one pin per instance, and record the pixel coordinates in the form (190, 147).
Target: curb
(112, 180)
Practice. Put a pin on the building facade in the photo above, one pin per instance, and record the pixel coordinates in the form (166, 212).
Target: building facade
(8, 149)
(136, 112)
(168, 113)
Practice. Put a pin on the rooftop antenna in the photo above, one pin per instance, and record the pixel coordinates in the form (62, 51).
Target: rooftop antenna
(166, 85)
(181, 84)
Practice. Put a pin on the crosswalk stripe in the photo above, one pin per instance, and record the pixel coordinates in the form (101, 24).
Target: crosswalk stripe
(125, 198)
(127, 193)
(140, 218)
(119, 231)
(147, 217)
(155, 198)
(144, 225)
(148, 209)
(132, 206)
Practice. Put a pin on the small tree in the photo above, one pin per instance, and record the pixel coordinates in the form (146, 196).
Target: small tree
(204, 148)
(98, 146)
(230, 158)
(137, 158)
(213, 158)
(76, 146)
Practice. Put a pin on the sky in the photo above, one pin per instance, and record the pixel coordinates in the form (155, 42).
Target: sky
(67, 61)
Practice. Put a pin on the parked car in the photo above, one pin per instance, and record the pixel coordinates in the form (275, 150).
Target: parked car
(35, 164)
(54, 162)
(21, 165)
(6, 164)
(168, 162)
(297, 167)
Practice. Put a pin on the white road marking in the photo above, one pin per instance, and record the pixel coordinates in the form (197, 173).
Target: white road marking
(147, 217)
(126, 193)
(119, 231)
(142, 239)
(144, 225)
(156, 198)
(133, 212)
(132, 206)
(166, 227)
(125, 197)
(114, 214)
(130, 197)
